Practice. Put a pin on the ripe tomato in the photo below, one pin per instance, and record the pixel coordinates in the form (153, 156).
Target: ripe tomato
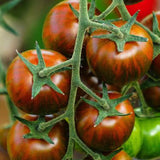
(122, 155)
(34, 149)
(150, 132)
(119, 68)
(111, 133)
(148, 21)
(19, 83)
(152, 97)
(61, 27)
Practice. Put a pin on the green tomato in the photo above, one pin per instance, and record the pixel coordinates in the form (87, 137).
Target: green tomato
(150, 131)
(133, 145)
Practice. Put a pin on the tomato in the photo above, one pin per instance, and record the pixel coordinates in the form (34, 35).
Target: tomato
(19, 83)
(34, 149)
(61, 27)
(111, 133)
(133, 145)
(150, 131)
(145, 6)
(3, 154)
(3, 137)
(152, 97)
(148, 21)
(119, 68)
(122, 155)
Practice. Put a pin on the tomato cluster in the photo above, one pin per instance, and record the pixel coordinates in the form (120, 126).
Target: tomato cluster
(103, 63)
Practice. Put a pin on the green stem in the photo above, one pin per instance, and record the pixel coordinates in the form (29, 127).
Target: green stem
(144, 106)
(123, 10)
(3, 91)
(92, 94)
(111, 28)
(108, 10)
(44, 125)
(155, 38)
(49, 70)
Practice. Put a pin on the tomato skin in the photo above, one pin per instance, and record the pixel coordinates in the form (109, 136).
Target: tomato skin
(152, 97)
(133, 145)
(61, 27)
(148, 22)
(151, 138)
(19, 84)
(122, 155)
(119, 68)
(111, 133)
(34, 149)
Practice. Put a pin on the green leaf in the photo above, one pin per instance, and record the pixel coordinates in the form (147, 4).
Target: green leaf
(29, 65)
(115, 102)
(131, 38)
(9, 5)
(53, 86)
(156, 48)
(41, 62)
(76, 13)
(24, 121)
(155, 24)
(149, 83)
(105, 92)
(92, 103)
(7, 27)
(127, 27)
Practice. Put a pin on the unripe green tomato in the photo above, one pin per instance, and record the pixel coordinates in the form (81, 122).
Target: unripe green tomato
(150, 131)
(133, 144)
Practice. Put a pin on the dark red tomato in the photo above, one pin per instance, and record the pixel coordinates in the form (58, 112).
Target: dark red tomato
(111, 133)
(119, 68)
(3, 154)
(145, 6)
(148, 21)
(152, 97)
(61, 27)
(34, 149)
(19, 83)
(3, 137)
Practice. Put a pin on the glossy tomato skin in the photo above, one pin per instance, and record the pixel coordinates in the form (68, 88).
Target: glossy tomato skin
(34, 149)
(61, 27)
(150, 137)
(122, 155)
(111, 133)
(119, 68)
(19, 83)
(133, 145)
(152, 97)
(148, 21)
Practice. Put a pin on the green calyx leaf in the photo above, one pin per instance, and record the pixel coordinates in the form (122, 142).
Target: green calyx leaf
(3, 91)
(38, 81)
(127, 37)
(76, 13)
(4, 9)
(34, 132)
(109, 108)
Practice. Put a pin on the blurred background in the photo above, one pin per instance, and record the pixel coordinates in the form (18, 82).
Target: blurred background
(27, 19)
